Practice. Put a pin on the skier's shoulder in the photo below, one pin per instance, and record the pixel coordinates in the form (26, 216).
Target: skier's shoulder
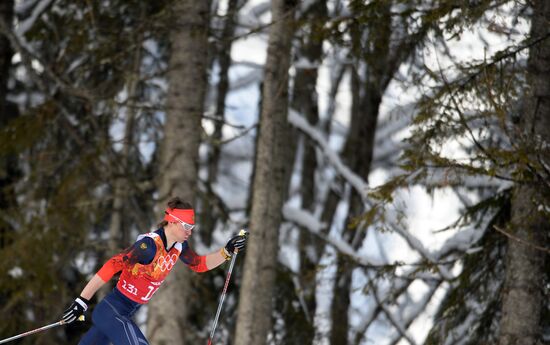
(145, 248)
(148, 235)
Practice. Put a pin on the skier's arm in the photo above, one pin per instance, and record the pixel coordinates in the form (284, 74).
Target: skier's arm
(195, 262)
(200, 263)
(215, 259)
(207, 262)
(80, 304)
(91, 288)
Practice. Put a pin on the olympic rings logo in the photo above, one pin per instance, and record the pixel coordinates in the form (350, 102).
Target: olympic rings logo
(167, 262)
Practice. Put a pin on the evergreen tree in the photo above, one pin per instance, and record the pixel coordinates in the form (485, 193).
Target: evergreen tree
(480, 104)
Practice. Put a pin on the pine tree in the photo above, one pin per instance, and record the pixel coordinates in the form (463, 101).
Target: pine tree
(482, 102)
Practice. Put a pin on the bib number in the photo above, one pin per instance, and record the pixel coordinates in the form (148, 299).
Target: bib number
(152, 289)
(129, 287)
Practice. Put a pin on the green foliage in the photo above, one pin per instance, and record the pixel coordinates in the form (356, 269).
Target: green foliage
(470, 311)
(473, 110)
(86, 52)
(465, 136)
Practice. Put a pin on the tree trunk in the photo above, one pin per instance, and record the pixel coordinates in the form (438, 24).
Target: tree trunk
(209, 214)
(358, 151)
(167, 322)
(118, 229)
(304, 100)
(272, 167)
(6, 13)
(367, 91)
(523, 296)
(8, 164)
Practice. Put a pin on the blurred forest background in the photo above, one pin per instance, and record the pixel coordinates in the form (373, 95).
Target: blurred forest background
(391, 159)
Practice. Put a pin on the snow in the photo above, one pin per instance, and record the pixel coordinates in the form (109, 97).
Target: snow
(15, 272)
(307, 220)
(85, 263)
(301, 123)
(252, 13)
(22, 27)
(305, 63)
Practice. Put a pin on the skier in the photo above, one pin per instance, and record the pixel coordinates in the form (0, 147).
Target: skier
(143, 267)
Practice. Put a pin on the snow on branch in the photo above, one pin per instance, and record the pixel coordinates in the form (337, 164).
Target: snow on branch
(394, 319)
(251, 78)
(464, 240)
(37, 75)
(251, 18)
(309, 221)
(460, 177)
(39, 9)
(353, 179)
(416, 309)
(387, 151)
(417, 245)
(398, 119)
(361, 187)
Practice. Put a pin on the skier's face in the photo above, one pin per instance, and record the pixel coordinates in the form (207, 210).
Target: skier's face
(186, 230)
(182, 229)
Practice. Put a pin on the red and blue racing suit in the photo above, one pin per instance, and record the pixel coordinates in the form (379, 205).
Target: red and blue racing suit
(143, 267)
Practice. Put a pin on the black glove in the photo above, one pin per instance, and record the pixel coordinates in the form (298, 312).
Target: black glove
(237, 242)
(76, 310)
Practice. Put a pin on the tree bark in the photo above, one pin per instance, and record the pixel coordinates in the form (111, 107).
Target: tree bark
(6, 12)
(167, 322)
(210, 214)
(270, 187)
(523, 296)
(8, 164)
(367, 91)
(358, 151)
(304, 100)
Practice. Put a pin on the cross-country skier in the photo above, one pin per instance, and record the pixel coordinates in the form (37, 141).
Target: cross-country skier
(143, 267)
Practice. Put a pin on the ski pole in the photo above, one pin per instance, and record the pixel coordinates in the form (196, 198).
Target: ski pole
(59, 323)
(224, 291)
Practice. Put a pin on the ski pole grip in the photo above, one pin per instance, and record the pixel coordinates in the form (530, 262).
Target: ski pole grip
(242, 233)
(81, 318)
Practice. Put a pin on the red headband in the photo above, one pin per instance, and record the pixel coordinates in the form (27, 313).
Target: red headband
(177, 214)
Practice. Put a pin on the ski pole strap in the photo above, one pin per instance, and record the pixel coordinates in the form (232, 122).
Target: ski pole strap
(225, 255)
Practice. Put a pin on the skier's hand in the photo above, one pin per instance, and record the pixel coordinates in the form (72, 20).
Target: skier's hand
(238, 242)
(75, 310)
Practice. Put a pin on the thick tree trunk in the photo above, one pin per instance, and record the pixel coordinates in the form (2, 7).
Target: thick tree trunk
(167, 322)
(272, 167)
(523, 296)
